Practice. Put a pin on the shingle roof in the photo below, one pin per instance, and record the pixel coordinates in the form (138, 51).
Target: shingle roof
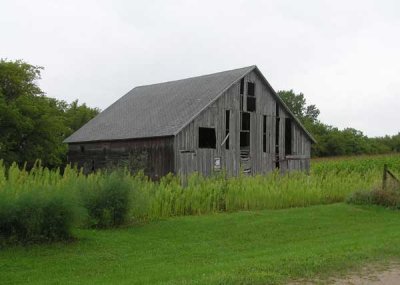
(157, 110)
(161, 109)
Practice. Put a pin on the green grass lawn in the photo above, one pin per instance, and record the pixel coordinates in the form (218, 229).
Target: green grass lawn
(263, 247)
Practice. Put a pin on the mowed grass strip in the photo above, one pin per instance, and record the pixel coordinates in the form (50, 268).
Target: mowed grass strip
(261, 247)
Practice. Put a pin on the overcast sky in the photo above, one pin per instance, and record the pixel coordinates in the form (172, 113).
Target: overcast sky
(343, 55)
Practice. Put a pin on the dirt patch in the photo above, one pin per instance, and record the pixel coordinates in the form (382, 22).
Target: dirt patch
(369, 275)
(390, 276)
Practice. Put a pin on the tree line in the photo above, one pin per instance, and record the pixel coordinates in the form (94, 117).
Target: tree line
(33, 125)
(332, 141)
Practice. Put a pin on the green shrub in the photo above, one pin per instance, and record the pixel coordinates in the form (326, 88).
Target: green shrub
(361, 197)
(37, 216)
(387, 198)
(108, 203)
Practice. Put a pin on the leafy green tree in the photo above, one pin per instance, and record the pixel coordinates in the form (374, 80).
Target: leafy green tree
(297, 104)
(387, 143)
(312, 113)
(17, 78)
(77, 115)
(33, 126)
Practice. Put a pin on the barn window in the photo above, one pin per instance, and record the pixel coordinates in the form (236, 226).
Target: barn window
(227, 125)
(251, 104)
(245, 122)
(288, 136)
(244, 140)
(250, 89)
(82, 148)
(264, 133)
(207, 138)
(241, 92)
(277, 134)
(251, 99)
(245, 130)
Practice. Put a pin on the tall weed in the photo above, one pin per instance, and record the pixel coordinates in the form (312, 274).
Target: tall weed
(43, 205)
(108, 201)
(35, 212)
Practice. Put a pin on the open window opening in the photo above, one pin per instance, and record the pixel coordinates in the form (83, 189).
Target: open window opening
(245, 121)
(82, 148)
(264, 133)
(251, 104)
(245, 131)
(244, 140)
(288, 136)
(277, 133)
(241, 94)
(227, 125)
(251, 89)
(207, 138)
(251, 98)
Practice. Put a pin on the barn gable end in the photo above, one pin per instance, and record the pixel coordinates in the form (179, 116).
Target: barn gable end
(263, 156)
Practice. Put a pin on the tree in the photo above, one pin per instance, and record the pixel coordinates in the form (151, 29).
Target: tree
(297, 104)
(331, 140)
(33, 126)
(77, 115)
(17, 78)
(312, 113)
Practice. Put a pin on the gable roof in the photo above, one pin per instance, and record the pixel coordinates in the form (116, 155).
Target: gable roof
(162, 109)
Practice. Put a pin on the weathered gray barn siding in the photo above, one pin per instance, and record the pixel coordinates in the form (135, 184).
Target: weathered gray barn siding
(156, 128)
(301, 147)
(154, 155)
(189, 157)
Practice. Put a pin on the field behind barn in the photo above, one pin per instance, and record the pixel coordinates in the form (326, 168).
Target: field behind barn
(257, 230)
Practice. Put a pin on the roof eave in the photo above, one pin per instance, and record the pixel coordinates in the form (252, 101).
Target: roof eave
(119, 139)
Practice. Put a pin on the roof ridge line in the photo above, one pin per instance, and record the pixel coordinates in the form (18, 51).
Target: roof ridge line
(192, 77)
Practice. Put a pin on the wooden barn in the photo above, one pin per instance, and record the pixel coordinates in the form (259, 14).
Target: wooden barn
(230, 121)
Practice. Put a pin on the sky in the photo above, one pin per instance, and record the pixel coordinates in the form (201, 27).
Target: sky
(344, 56)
